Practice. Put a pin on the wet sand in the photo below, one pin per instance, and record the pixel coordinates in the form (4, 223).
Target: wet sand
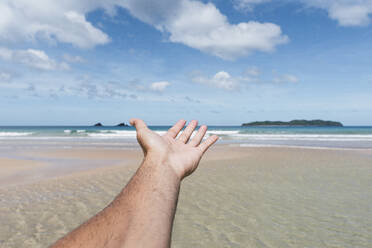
(238, 197)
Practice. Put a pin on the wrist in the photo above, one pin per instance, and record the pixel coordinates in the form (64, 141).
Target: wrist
(159, 165)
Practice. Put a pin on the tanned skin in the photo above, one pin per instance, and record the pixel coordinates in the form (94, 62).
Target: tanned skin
(142, 214)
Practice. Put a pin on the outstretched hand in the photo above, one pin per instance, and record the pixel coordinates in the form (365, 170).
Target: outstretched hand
(142, 214)
(179, 152)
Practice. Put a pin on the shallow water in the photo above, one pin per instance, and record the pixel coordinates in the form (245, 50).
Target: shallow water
(298, 201)
(268, 198)
(124, 137)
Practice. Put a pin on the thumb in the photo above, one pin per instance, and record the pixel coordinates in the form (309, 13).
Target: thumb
(139, 124)
(141, 129)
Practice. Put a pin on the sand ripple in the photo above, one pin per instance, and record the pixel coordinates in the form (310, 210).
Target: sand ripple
(263, 198)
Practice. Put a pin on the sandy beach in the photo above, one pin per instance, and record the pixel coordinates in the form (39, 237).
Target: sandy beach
(239, 196)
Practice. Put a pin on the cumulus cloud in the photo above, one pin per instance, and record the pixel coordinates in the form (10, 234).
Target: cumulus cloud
(221, 79)
(5, 76)
(224, 80)
(88, 87)
(193, 23)
(196, 24)
(286, 78)
(155, 87)
(55, 21)
(345, 12)
(202, 26)
(73, 59)
(253, 71)
(191, 100)
(155, 13)
(247, 5)
(159, 86)
(32, 58)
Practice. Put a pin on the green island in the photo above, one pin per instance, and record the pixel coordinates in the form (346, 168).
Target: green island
(295, 123)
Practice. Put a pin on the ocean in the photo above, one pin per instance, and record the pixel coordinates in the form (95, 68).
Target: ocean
(352, 137)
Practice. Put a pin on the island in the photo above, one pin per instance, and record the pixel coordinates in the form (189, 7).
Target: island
(99, 124)
(295, 123)
(122, 125)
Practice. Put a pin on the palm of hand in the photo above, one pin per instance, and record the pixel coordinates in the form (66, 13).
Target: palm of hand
(178, 152)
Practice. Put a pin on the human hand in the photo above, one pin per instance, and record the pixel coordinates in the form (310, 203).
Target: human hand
(179, 153)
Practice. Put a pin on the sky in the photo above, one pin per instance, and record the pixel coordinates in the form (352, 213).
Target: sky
(222, 62)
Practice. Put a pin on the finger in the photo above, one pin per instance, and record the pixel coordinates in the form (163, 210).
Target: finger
(195, 141)
(185, 136)
(138, 124)
(207, 143)
(173, 131)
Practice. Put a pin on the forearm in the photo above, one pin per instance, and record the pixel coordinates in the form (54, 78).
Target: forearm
(140, 216)
(152, 198)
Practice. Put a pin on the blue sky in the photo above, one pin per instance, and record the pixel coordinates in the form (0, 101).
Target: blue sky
(221, 62)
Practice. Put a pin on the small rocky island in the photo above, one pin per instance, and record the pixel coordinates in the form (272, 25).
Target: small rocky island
(99, 124)
(294, 123)
(122, 125)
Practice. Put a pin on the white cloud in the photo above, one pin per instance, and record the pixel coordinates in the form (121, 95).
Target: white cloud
(247, 5)
(196, 24)
(346, 12)
(4, 76)
(225, 81)
(286, 78)
(202, 26)
(222, 80)
(73, 59)
(253, 71)
(192, 23)
(32, 58)
(156, 87)
(159, 86)
(62, 21)
(155, 13)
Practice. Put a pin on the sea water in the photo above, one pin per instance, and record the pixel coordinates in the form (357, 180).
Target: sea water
(125, 137)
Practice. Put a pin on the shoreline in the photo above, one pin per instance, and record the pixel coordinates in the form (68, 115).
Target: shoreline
(301, 147)
(239, 196)
(38, 165)
(125, 137)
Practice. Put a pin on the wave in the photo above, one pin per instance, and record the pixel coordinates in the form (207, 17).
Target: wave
(117, 134)
(79, 131)
(15, 134)
(298, 146)
(223, 132)
(235, 135)
(304, 137)
(224, 135)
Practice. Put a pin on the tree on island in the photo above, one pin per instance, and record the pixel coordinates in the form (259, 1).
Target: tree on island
(123, 124)
(301, 123)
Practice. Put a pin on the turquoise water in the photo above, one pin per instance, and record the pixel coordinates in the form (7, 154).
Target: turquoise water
(338, 137)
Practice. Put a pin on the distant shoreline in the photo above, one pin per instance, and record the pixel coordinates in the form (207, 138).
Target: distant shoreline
(295, 123)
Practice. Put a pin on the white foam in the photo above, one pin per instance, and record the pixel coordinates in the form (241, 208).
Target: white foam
(112, 134)
(226, 135)
(297, 147)
(14, 134)
(223, 132)
(304, 137)
(235, 135)
(70, 131)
